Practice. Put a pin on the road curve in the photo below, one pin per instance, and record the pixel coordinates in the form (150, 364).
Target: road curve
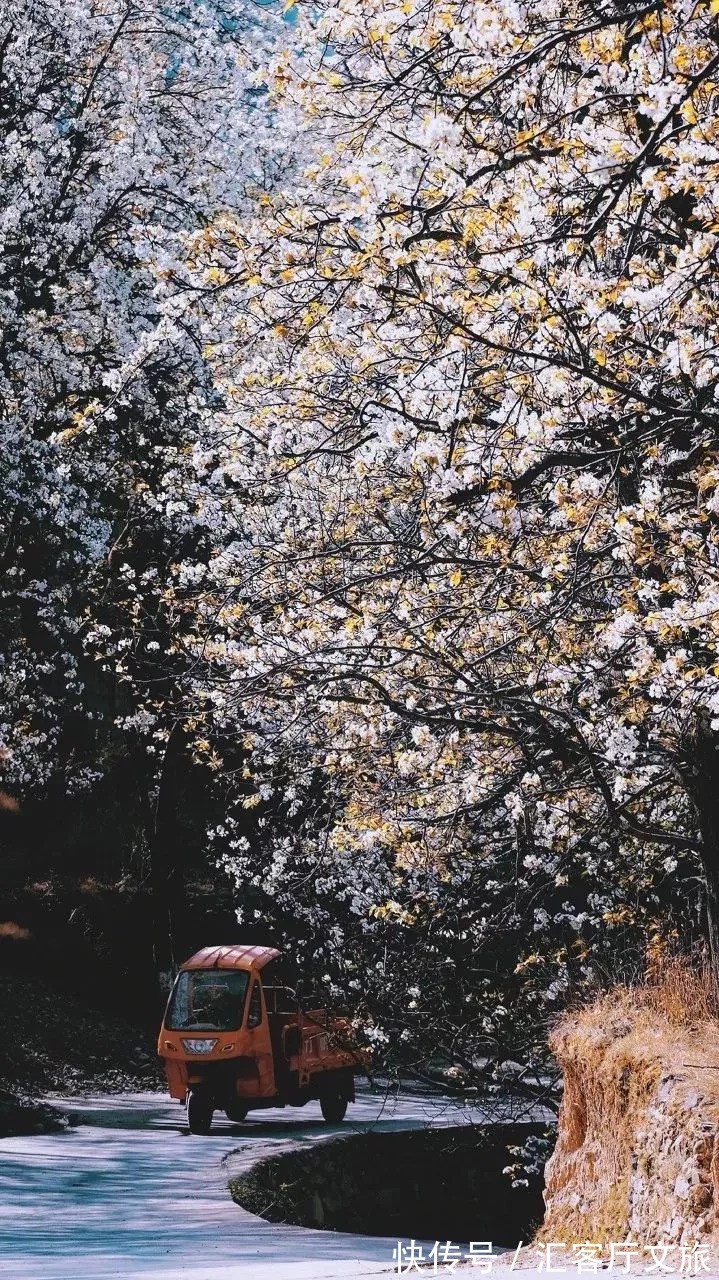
(128, 1194)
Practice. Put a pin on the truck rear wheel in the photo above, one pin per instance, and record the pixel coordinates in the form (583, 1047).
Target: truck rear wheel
(237, 1112)
(199, 1112)
(334, 1107)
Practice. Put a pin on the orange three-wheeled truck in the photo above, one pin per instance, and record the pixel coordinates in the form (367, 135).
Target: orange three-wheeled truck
(235, 1038)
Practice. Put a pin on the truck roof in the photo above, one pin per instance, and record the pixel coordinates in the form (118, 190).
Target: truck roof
(234, 957)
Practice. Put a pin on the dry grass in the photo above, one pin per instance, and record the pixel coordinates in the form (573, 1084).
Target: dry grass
(674, 992)
(674, 989)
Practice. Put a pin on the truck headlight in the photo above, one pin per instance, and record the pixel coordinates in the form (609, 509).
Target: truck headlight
(198, 1046)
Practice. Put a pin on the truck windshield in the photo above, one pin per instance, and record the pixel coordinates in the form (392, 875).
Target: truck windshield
(207, 1000)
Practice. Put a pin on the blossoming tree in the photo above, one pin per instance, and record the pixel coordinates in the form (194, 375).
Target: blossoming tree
(124, 128)
(466, 462)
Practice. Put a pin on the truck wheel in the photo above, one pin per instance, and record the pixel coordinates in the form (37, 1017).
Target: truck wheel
(199, 1112)
(334, 1107)
(237, 1112)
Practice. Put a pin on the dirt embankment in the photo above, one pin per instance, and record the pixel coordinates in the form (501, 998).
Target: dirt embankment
(637, 1155)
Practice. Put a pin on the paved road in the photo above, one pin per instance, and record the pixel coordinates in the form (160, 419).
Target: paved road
(127, 1193)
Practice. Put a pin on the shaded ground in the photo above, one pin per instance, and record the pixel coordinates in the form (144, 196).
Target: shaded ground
(20, 1114)
(54, 1043)
(449, 1183)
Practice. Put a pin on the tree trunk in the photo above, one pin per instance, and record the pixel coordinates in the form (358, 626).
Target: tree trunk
(710, 866)
(163, 872)
(700, 774)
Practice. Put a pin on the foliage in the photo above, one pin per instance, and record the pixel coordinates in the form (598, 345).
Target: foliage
(121, 128)
(464, 473)
(125, 127)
